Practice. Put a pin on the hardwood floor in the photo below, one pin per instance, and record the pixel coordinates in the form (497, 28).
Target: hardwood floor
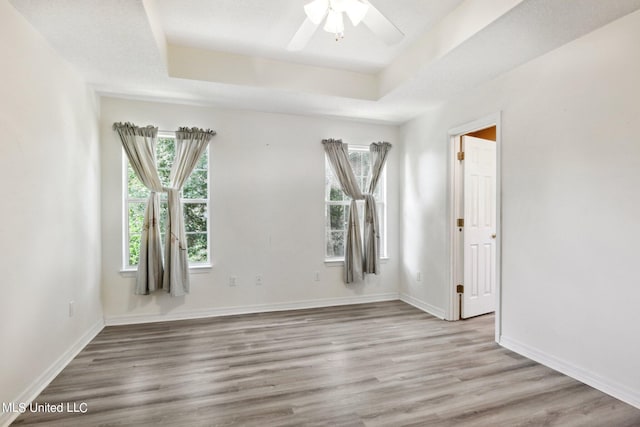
(382, 364)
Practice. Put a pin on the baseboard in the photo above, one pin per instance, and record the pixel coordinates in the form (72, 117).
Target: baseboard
(424, 306)
(258, 308)
(619, 391)
(51, 372)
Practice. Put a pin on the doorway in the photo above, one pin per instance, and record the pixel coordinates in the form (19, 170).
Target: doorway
(475, 219)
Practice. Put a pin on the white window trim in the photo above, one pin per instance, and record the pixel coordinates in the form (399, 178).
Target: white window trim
(194, 267)
(339, 261)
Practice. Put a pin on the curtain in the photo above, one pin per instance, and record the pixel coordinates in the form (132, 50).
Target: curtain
(190, 144)
(139, 145)
(357, 263)
(378, 152)
(338, 154)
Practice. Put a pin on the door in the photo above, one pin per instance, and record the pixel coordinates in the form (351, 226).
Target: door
(479, 247)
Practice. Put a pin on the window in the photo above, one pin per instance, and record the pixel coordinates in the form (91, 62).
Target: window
(337, 204)
(195, 199)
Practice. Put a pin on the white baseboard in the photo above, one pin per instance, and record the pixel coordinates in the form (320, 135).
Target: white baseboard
(424, 306)
(130, 319)
(51, 372)
(619, 391)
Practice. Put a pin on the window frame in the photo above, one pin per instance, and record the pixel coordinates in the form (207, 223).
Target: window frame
(127, 201)
(380, 204)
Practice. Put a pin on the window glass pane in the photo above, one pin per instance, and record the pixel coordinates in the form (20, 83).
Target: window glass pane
(335, 192)
(366, 163)
(136, 223)
(378, 193)
(338, 215)
(355, 159)
(329, 181)
(195, 217)
(335, 244)
(197, 247)
(134, 249)
(383, 232)
(328, 170)
(364, 184)
(136, 189)
(164, 215)
(136, 217)
(165, 153)
(196, 186)
(203, 163)
(164, 176)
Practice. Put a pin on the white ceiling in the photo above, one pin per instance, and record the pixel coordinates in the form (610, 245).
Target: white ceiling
(264, 28)
(232, 53)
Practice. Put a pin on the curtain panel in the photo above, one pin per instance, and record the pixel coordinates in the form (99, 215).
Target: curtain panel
(139, 145)
(357, 263)
(378, 152)
(338, 155)
(190, 145)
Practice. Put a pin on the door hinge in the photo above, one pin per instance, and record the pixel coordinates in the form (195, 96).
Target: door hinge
(460, 222)
(460, 289)
(461, 155)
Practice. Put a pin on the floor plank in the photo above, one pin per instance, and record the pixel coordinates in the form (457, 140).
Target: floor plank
(381, 364)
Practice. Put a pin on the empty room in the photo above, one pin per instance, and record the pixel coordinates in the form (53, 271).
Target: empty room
(320, 212)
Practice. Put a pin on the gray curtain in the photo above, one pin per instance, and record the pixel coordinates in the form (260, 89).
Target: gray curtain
(190, 144)
(139, 145)
(378, 152)
(356, 264)
(338, 154)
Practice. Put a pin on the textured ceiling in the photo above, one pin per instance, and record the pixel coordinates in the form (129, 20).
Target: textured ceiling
(114, 46)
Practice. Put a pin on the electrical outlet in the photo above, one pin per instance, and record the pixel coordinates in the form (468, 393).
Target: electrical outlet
(233, 280)
(72, 308)
(259, 280)
(419, 276)
(316, 276)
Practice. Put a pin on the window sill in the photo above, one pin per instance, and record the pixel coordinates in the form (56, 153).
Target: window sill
(196, 269)
(333, 262)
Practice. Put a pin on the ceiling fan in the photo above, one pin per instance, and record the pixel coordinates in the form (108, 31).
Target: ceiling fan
(332, 12)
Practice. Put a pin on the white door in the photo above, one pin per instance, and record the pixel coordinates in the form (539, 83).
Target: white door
(479, 226)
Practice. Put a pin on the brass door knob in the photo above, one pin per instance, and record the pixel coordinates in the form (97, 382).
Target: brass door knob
(493, 236)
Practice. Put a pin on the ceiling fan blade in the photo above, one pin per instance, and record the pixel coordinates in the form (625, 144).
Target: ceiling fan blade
(303, 35)
(381, 26)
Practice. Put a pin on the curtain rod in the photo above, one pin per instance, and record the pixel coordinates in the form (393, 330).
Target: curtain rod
(177, 130)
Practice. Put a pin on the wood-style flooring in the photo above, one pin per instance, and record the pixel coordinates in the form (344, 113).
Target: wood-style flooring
(382, 364)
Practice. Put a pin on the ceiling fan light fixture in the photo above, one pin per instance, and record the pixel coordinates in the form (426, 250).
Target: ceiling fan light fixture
(334, 23)
(332, 13)
(356, 10)
(316, 10)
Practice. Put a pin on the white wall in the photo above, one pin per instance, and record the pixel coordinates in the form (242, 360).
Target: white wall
(570, 205)
(267, 213)
(50, 223)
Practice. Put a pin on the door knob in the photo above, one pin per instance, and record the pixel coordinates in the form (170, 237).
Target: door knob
(493, 236)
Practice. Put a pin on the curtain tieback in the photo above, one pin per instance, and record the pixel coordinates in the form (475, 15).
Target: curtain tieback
(181, 245)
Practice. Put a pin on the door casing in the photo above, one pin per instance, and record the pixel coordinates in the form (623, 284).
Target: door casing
(453, 139)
